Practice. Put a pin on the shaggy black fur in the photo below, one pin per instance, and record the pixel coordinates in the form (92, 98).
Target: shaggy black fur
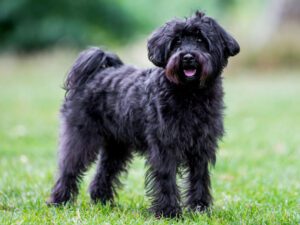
(172, 114)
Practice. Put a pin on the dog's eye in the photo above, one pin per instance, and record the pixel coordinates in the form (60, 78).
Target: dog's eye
(177, 41)
(199, 40)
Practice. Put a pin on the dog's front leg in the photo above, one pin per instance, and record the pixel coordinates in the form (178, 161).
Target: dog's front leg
(161, 184)
(198, 193)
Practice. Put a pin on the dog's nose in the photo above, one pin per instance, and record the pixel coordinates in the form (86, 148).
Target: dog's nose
(188, 57)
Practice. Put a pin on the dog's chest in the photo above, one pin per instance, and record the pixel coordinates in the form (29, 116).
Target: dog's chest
(183, 125)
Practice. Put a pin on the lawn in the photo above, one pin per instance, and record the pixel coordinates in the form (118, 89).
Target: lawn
(256, 179)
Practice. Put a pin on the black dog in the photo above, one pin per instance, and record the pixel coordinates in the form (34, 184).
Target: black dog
(172, 114)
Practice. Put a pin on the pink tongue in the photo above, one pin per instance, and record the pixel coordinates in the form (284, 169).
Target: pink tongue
(189, 73)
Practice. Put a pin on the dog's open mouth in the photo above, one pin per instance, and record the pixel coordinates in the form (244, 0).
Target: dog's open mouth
(189, 72)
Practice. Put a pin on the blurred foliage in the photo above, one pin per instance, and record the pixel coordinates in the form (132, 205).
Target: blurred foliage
(279, 52)
(269, 37)
(35, 24)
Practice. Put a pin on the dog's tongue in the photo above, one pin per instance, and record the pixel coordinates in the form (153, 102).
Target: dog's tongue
(189, 72)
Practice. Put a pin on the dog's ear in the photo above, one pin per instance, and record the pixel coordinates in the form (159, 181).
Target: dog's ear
(230, 44)
(159, 45)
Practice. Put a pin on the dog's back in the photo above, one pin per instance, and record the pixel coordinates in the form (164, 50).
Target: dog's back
(102, 91)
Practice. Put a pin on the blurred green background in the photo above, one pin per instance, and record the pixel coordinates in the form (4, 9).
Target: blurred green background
(256, 178)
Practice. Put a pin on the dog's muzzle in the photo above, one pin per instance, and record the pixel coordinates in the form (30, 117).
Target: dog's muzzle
(189, 65)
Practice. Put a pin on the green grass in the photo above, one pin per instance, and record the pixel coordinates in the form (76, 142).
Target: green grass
(256, 179)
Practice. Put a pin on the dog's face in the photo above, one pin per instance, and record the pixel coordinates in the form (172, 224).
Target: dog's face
(191, 50)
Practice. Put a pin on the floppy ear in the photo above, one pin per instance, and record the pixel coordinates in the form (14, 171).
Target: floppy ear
(159, 45)
(231, 46)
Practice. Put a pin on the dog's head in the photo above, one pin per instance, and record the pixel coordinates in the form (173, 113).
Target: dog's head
(195, 49)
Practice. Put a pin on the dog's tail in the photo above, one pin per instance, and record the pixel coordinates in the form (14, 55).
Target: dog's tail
(89, 63)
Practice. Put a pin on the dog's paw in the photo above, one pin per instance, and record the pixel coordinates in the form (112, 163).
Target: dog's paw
(58, 199)
(55, 202)
(100, 197)
(167, 212)
(199, 207)
(103, 200)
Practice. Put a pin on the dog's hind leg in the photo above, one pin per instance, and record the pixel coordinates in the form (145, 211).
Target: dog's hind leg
(114, 158)
(79, 146)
